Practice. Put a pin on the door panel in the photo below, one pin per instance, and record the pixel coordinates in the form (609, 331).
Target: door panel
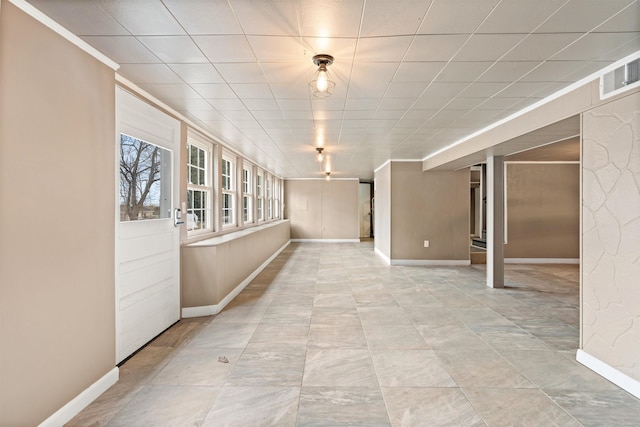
(147, 242)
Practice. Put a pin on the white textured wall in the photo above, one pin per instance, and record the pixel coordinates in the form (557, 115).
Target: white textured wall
(611, 234)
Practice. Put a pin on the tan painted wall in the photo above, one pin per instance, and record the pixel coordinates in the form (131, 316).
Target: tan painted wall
(543, 211)
(430, 206)
(611, 234)
(382, 210)
(211, 271)
(321, 209)
(57, 187)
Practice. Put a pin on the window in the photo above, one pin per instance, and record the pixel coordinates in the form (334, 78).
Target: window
(269, 198)
(227, 173)
(199, 189)
(259, 196)
(276, 197)
(247, 212)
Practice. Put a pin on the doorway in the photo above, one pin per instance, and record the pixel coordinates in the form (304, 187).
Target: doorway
(365, 209)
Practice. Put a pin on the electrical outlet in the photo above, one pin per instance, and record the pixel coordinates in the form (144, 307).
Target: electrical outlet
(426, 243)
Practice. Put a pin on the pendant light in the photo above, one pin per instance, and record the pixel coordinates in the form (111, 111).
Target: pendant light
(322, 86)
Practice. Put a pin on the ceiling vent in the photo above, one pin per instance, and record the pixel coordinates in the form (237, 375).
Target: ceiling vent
(620, 79)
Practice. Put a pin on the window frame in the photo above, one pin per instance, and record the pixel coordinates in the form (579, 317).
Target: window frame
(208, 189)
(228, 191)
(247, 193)
(260, 217)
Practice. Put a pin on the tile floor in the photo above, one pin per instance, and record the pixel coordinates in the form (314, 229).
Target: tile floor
(330, 335)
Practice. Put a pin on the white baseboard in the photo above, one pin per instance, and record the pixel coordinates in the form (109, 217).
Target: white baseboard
(382, 255)
(210, 310)
(542, 260)
(325, 240)
(612, 374)
(430, 262)
(81, 401)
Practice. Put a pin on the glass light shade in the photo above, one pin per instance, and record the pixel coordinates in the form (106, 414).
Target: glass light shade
(322, 85)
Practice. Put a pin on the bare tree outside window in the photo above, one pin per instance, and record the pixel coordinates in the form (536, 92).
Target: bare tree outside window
(142, 192)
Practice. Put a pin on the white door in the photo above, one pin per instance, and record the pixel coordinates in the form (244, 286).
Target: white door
(147, 240)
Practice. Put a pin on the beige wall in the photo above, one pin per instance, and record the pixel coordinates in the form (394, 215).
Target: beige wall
(321, 209)
(430, 206)
(211, 271)
(57, 187)
(611, 234)
(543, 210)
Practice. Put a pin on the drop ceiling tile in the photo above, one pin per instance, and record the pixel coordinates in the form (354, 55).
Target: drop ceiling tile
(582, 15)
(277, 48)
(283, 90)
(142, 17)
(226, 48)
(386, 18)
(267, 115)
(463, 71)
(226, 104)
(418, 71)
(330, 18)
(356, 124)
(389, 114)
(247, 72)
(122, 49)
(465, 103)
(188, 104)
(236, 115)
(370, 80)
(246, 124)
(597, 46)
(508, 71)
(297, 115)
(483, 90)
(252, 90)
(207, 115)
(588, 69)
(216, 90)
(488, 47)
(174, 90)
(382, 49)
(294, 104)
(410, 90)
(82, 18)
(197, 73)
(540, 47)
(332, 103)
(327, 114)
(498, 103)
(298, 72)
(388, 103)
(174, 49)
(362, 104)
(359, 114)
(254, 104)
(419, 114)
(204, 16)
(435, 47)
(519, 16)
(522, 90)
(550, 71)
(456, 16)
(148, 73)
(267, 17)
(626, 20)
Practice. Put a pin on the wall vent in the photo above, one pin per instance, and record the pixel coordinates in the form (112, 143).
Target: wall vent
(620, 79)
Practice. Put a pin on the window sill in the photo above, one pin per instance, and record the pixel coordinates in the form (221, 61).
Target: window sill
(213, 239)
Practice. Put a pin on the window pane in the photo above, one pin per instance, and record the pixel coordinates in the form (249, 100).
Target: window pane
(201, 177)
(145, 180)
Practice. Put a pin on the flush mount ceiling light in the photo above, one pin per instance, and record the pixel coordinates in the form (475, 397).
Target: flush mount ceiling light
(328, 175)
(322, 85)
(319, 157)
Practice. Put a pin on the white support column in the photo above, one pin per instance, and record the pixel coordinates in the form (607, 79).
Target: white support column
(495, 221)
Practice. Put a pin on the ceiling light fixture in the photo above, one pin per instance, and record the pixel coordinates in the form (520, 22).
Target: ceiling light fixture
(328, 175)
(322, 85)
(319, 157)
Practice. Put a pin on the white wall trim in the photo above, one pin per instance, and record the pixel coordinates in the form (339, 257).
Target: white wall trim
(542, 260)
(542, 162)
(322, 179)
(81, 401)
(210, 310)
(429, 262)
(382, 255)
(63, 32)
(396, 161)
(325, 240)
(612, 374)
